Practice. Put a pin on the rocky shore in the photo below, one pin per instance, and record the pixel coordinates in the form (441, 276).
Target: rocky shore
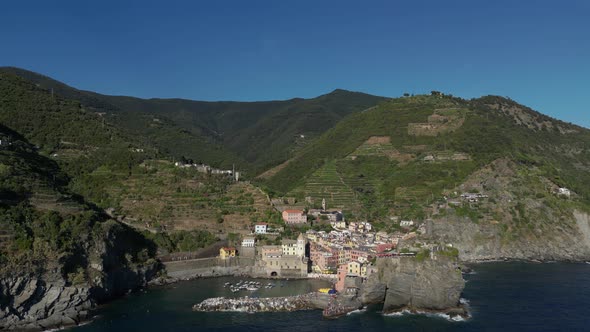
(39, 300)
(307, 301)
(400, 284)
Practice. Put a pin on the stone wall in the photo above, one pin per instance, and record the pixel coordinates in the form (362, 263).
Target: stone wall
(209, 267)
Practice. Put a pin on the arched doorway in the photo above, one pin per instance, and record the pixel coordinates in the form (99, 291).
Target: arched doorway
(273, 274)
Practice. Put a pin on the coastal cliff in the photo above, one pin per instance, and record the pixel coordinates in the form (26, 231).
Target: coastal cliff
(42, 298)
(406, 283)
(485, 241)
(522, 217)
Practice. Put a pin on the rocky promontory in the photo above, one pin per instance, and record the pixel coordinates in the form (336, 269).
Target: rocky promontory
(405, 283)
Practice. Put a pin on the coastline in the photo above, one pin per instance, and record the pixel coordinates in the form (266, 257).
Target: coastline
(164, 281)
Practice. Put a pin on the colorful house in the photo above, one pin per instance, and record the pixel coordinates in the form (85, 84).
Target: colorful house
(227, 252)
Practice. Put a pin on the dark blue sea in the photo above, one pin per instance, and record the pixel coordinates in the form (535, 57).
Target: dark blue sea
(504, 297)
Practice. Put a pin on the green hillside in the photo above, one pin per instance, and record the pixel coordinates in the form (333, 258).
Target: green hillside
(401, 156)
(47, 229)
(253, 135)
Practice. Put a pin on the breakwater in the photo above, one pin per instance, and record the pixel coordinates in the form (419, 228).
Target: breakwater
(309, 301)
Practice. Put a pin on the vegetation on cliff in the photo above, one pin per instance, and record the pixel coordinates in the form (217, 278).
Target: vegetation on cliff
(404, 155)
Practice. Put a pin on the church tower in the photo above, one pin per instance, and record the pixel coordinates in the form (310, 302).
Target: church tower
(300, 251)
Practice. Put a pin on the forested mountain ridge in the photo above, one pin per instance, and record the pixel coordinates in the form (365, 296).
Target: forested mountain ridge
(255, 135)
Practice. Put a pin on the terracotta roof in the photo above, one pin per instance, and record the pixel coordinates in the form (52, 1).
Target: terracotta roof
(293, 211)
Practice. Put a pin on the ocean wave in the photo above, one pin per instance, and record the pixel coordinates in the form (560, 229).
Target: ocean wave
(358, 311)
(454, 318)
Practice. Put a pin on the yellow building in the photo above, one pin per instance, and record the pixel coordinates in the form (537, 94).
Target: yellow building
(364, 270)
(227, 252)
(354, 268)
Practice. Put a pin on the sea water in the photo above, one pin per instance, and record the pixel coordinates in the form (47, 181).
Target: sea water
(504, 297)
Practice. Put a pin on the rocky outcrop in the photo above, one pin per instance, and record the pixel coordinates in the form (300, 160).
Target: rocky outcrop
(487, 241)
(406, 283)
(47, 299)
(523, 218)
(31, 303)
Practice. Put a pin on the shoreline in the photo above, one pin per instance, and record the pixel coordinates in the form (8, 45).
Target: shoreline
(522, 260)
(164, 281)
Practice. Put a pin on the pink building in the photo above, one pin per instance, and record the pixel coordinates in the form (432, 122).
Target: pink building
(294, 217)
(342, 272)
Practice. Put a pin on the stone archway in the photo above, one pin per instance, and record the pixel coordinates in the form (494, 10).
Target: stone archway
(274, 274)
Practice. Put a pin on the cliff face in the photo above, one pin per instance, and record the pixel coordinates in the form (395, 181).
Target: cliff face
(36, 304)
(523, 218)
(405, 283)
(38, 301)
(477, 242)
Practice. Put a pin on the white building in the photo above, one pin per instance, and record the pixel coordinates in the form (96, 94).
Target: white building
(249, 242)
(564, 192)
(406, 223)
(261, 228)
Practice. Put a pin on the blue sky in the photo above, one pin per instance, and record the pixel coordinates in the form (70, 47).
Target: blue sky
(536, 52)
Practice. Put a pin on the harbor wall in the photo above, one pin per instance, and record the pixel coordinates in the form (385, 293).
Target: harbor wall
(209, 267)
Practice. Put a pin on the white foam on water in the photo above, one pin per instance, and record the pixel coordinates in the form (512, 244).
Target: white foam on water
(447, 317)
(358, 311)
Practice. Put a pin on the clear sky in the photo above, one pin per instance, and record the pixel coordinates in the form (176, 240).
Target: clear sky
(535, 51)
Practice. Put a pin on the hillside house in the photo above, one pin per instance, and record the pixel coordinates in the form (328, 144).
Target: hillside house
(406, 223)
(294, 217)
(227, 252)
(261, 228)
(249, 242)
(564, 192)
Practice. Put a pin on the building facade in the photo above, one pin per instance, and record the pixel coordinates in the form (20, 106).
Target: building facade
(294, 217)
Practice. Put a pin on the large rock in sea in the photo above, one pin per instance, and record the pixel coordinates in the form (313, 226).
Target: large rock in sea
(408, 283)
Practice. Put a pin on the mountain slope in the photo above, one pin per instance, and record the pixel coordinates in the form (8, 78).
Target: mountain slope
(257, 135)
(411, 158)
(59, 256)
(146, 130)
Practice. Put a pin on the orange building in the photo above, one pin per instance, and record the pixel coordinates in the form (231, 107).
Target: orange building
(227, 252)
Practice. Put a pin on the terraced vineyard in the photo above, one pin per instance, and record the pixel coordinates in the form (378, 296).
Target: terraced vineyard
(6, 234)
(326, 183)
(45, 198)
(160, 196)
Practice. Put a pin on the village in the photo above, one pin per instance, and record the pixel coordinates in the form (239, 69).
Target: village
(341, 251)
(345, 254)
